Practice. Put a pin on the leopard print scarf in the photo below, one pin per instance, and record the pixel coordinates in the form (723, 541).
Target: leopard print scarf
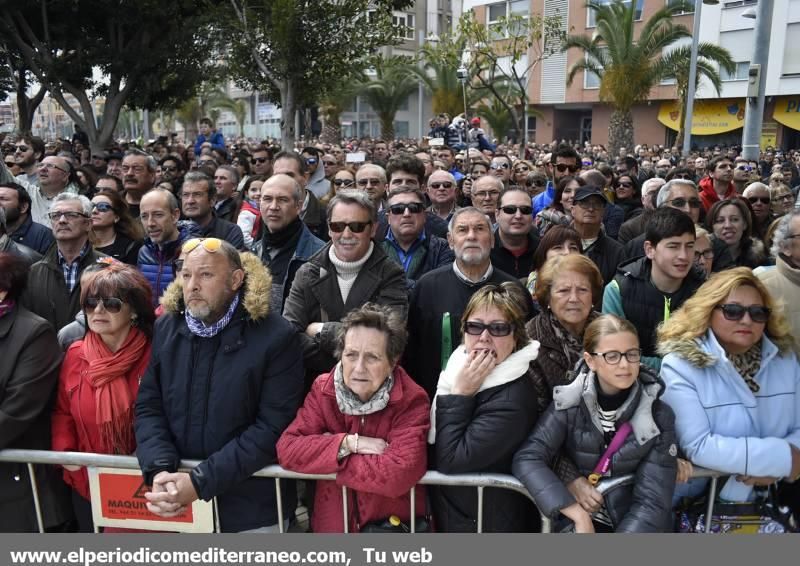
(748, 364)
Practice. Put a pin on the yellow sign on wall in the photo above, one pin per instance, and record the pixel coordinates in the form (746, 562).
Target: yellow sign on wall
(769, 134)
(787, 111)
(709, 116)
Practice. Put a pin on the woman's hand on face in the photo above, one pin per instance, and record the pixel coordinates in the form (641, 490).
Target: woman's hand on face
(369, 445)
(585, 494)
(685, 471)
(479, 365)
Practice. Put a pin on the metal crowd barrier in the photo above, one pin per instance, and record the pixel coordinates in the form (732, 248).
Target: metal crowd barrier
(479, 481)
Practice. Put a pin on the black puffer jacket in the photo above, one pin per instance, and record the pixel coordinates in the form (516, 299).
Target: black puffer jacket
(480, 434)
(571, 427)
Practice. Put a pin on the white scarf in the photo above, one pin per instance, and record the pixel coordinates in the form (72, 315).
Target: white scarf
(508, 370)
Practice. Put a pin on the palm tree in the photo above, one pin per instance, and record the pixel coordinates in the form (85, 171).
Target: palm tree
(236, 106)
(335, 102)
(628, 67)
(676, 67)
(388, 90)
(440, 61)
(498, 117)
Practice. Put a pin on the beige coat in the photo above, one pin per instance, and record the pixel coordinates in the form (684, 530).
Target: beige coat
(783, 281)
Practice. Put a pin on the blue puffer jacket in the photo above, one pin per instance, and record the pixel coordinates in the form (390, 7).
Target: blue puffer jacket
(155, 262)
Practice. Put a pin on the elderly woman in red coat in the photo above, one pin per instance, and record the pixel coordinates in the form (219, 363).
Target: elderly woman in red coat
(366, 421)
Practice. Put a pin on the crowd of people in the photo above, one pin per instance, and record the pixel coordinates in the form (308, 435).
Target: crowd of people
(554, 312)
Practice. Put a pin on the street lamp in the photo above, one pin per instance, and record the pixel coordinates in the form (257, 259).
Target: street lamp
(687, 120)
(757, 81)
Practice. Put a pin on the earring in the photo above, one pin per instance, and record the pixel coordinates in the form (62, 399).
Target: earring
(134, 320)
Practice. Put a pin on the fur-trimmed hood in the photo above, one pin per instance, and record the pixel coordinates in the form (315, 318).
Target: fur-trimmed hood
(255, 297)
(689, 350)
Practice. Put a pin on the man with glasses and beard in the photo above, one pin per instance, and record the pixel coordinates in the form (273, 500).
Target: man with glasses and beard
(56, 175)
(28, 152)
(347, 273)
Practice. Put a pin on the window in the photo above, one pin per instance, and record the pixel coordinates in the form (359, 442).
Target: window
(739, 3)
(401, 129)
(590, 21)
(504, 10)
(406, 20)
(591, 80)
(682, 12)
(791, 62)
(742, 68)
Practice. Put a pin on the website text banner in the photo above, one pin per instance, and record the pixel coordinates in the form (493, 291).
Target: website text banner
(400, 550)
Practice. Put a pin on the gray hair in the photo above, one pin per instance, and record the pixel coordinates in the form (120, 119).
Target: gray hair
(200, 177)
(233, 171)
(381, 318)
(150, 161)
(467, 209)
(352, 196)
(86, 204)
(756, 185)
(655, 180)
(439, 173)
(297, 189)
(380, 170)
(594, 177)
(663, 192)
(780, 238)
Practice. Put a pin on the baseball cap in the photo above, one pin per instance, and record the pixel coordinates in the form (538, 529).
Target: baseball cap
(475, 121)
(589, 191)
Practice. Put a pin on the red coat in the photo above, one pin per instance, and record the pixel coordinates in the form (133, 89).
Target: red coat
(381, 483)
(708, 196)
(73, 425)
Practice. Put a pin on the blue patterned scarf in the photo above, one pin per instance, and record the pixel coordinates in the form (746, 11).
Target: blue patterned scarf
(199, 328)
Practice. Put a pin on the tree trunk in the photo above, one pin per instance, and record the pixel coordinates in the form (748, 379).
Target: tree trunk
(387, 127)
(683, 102)
(26, 107)
(288, 108)
(620, 132)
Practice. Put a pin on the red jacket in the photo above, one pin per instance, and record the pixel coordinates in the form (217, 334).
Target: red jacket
(708, 196)
(73, 425)
(380, 484)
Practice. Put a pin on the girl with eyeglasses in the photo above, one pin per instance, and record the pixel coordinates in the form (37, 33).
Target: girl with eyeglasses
(486, 402)
(100, 375)
(733, 379)
(114, 231)
(607, 422)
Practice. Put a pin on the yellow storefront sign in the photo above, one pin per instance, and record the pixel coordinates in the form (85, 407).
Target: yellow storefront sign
(709, 116)
(787, 111)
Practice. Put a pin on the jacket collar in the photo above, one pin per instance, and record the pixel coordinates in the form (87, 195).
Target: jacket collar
(638, 408)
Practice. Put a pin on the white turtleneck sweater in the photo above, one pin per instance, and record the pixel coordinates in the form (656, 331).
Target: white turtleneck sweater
(347, 271)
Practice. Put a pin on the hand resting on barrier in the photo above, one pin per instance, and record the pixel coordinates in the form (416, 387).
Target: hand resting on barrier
(171, 494)
(685, 471)
(585, 494)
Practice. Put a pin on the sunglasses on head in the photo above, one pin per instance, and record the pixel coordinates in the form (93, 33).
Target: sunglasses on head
(211, 245)
(496, 329)
(762, 200)
(102, 207)
(340, 182)
(736, 312)
(563, 167)
(512, 209)
(355, 227)
(412, 207)
(110, 304)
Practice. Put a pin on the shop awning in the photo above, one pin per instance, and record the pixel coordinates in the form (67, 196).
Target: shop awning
(787, 111)
(709, 117)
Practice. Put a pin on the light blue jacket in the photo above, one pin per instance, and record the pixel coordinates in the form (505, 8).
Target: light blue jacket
(720, 423)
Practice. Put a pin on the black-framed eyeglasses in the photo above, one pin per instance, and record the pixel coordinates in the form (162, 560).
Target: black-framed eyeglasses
(496, 329)
(705, 254)
(110, 304)
(345, 182)
(68, 214)
(787, 196)
(412, 207)
(355, 227)
(736, 312)
(512, 209)
(762, 200)
(102, 207)
(613, 357)
(680, 202)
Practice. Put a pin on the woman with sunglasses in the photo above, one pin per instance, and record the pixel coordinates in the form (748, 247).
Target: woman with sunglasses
(731, 221)
(608, 422)
(343, 179)
(628, 195)
(486, 403)
(100, 375)
(114, 231)
(733, 379)
(520, 174)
